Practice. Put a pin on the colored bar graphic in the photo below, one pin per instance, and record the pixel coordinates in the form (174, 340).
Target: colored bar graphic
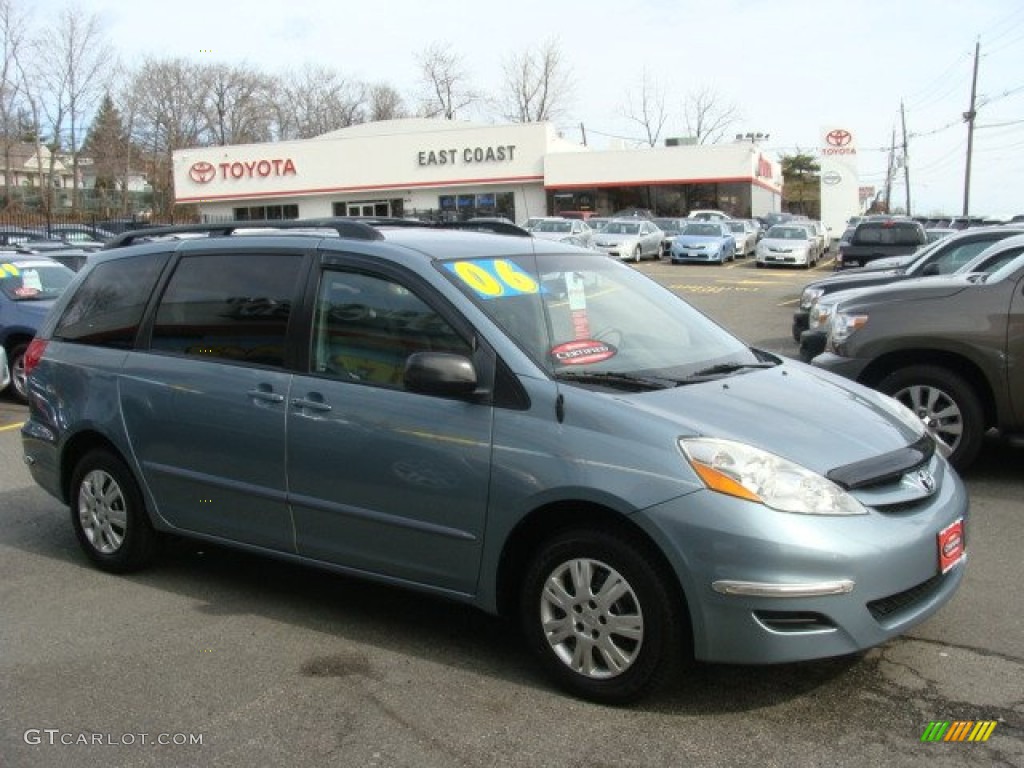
(959, 730)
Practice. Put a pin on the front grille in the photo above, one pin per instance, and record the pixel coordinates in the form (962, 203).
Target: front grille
(885, 607)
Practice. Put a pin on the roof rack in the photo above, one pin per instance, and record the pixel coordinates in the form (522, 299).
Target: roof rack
(345, 227)
(356, 228)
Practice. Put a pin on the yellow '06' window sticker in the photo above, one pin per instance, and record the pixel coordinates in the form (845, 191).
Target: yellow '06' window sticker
(494, 278)
(8, 269)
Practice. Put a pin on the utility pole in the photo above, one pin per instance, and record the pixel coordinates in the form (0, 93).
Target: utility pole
(906, 156)
(889, 173)
(583, 131)
(969, 116)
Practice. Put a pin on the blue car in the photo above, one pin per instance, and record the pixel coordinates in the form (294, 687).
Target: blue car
(28, 287)
(704, 241)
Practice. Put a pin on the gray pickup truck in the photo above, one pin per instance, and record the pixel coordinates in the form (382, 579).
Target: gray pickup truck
(880, 238)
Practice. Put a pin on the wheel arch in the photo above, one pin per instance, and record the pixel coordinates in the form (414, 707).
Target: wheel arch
(551, 519)
(957, 364)
(78, 447)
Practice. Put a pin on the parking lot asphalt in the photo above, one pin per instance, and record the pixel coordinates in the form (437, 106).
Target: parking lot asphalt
(265, 663)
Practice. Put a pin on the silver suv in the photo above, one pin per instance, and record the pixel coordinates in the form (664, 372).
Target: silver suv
(499, 420)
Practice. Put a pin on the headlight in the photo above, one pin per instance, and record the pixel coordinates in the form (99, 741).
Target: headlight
(745, 472)
(809, 296)
(819, 316)
(844, 325)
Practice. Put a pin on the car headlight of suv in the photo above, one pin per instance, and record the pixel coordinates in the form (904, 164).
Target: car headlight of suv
(809, 296)
(749, 473)
(819, 316)
(844, 325)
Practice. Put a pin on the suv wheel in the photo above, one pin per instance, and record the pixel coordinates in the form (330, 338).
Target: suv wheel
(946, 404)
(108, 515)
(600, 617)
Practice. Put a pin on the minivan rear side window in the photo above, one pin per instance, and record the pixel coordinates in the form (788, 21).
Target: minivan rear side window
(229, 306)
(108, 306)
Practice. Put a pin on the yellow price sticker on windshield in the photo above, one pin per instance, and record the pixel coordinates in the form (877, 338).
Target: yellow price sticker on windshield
(494, 278)
(11, 270)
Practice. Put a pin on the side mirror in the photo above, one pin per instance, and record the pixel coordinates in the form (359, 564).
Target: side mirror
(931, 270)
(439, 373)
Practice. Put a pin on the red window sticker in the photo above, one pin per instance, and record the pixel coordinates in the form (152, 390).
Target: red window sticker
(951, 545)
(582, 352)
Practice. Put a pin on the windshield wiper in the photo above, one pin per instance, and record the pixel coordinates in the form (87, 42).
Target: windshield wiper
(630, 381)
(723, 369)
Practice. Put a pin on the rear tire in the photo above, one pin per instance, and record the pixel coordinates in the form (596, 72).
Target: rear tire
(601, 617)
(108, 514)
(946, 403)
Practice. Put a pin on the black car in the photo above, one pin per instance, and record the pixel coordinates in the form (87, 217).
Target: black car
(942, 257)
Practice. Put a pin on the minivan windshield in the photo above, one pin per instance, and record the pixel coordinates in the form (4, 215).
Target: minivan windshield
(597, 321)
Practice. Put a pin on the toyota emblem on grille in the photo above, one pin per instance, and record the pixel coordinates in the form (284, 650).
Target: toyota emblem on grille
(202, 172)
(838, 138)
(921, 480)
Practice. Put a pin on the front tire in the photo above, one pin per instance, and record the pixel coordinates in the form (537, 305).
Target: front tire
(108, 514)
(601, 617)
(637, 255)
(946, 403)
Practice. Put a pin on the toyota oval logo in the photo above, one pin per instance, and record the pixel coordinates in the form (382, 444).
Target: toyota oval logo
(838, 138)
(202, 172)
(831, 177)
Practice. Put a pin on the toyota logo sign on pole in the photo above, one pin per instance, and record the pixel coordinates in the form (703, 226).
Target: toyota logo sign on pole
(840, 182)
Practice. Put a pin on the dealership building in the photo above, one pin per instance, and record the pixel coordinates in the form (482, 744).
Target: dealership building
(454, 169)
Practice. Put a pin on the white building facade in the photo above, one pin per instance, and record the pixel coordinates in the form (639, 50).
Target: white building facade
(448, 169)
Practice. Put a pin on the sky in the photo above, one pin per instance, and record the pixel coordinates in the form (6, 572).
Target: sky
(789, 67)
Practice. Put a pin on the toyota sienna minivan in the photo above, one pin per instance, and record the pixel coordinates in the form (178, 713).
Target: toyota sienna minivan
(499, 420)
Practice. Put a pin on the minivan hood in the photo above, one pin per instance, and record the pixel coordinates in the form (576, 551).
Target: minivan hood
(803, 414)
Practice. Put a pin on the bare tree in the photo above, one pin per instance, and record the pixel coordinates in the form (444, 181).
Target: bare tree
(446, 84)
(537, 84)
(12, 96)
(707, 118)
(315, 101)
(79, 62)
(384, 103)
(236, 108)
(168, 98)
(646, 108)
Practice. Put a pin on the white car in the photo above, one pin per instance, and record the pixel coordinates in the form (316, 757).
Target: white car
(792, 244)
(706, 214)
(630, 239)
(567, 230)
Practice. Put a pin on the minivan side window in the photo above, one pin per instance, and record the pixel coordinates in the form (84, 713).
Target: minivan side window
(365, 328)
(108, 306)
(228, 306)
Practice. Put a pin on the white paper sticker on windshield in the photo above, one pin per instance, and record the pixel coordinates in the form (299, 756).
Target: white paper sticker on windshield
(30, 279)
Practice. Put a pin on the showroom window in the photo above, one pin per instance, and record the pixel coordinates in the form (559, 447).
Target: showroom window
(266, 212)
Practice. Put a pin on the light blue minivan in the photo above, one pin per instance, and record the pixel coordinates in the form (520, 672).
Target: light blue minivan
(494, 419)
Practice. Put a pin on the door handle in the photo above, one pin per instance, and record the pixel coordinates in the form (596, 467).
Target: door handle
(265, 396)
(312, 405)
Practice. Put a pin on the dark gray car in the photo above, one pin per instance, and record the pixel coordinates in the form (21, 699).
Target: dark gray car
(505, 421)
(949, 348)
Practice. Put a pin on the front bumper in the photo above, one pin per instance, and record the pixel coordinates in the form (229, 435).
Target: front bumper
(769, 587)
(801, 322)
(812, 344)
(847, 367)
(705, 257)
(792, 258)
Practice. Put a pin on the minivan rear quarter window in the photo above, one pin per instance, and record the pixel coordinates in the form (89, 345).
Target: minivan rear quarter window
(107, 308)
